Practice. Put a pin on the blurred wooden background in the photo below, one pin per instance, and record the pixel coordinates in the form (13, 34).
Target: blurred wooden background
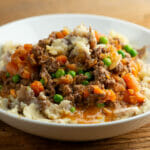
(137, 11)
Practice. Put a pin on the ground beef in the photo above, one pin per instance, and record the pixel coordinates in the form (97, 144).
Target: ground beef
(26, 82)
(52, 35)
(43, 101)
(141, 52)
(91, 100)
(79, 78)
(104, 77)
(49, 84)
(70, 97)
(119, 68)
(47, 41)
(110, 83)
(119, 84)
(3, 76)
(44, 42)
(78, 99)
(65, 89)
(89, 63)
(78, 94)
(51, 65)
(96, 82)
(79, 60)
(32, 60)
(119, 87)
(115, 40)
(97, 51)
(120, 80)
(37, 51)
(40, 55)
(101, 74)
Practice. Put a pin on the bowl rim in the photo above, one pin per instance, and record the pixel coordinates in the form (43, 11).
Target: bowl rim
(116, 122)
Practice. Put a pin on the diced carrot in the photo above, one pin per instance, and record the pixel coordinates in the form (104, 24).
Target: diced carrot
(133, 98)
(16, 59)
(135, 67)
(26, 74)
(110, 95)
(62, 59)
(37, 87)
(13, 92)
(131, 82)
(28, 47)
(65, 32)
(67, 79)
(126, 95)
(97, 90)
(59, 35)
(118, 46)
(140, 98)
(85, 93)
(72, 67)
(97, 35)
(19, 55)
(12, 68)
(134, 71)
(131, 91)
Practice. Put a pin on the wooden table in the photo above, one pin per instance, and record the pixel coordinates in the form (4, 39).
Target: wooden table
(137, 11)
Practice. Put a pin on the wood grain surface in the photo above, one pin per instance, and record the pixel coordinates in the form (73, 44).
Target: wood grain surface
(137, 11)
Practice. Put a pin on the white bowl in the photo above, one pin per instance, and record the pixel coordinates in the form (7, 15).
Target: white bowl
(35, 28)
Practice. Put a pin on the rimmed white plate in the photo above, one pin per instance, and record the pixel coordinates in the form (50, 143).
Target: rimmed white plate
(32, 29)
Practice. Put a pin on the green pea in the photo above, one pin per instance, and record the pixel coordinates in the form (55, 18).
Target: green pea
(122, 53)
(133, 52)
(80, 71)
(58, 98)
(42, 81)
(130, 50)
(85, 82)
(107, 61)
(7, 74)
(89, 75)
(127, 48)
(72, 73)
(1, 87)
(16, 78)
(72, 109)
(100, 105)
(59, 73)
(103, 40)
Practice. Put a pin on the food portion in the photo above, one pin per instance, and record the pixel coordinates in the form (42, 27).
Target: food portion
(79, 76)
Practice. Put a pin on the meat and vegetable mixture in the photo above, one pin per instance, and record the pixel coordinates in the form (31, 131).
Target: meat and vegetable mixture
(79, 76)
